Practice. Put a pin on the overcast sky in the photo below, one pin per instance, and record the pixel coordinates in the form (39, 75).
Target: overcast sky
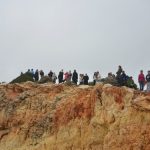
(87, 35)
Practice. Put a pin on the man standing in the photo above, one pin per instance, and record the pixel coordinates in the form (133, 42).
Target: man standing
(60, 76)
(148, 81)
(86, 79)
(50, 74)
(75, 77)
(36, 75)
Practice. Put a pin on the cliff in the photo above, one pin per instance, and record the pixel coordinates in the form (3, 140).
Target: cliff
(61, 117)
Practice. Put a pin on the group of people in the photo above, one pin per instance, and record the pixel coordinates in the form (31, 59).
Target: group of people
(125, 80)
(121, 78)
(62, 77)
(143, 80)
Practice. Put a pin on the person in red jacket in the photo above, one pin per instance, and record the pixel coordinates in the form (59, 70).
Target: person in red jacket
(141, 80)
(66, 75)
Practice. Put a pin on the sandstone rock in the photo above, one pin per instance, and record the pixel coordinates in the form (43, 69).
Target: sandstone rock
(61, 117)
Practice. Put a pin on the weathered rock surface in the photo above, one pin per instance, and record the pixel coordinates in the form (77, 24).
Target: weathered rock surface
(61, 117)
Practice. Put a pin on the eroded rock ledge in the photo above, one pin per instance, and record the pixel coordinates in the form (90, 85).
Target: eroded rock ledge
(60, 117)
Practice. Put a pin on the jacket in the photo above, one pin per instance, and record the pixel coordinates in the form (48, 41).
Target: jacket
(141, 78)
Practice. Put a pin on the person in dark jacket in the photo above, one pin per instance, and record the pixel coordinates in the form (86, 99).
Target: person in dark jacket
(86, 79)
(120, 70)
(148, 81)
(118, 76)
(36, 75)
(41, 73)
(123, 79)
(60, 76)
(50, 74)
(75, 77)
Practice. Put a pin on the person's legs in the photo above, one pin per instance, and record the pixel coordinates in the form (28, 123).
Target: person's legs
(140, 84)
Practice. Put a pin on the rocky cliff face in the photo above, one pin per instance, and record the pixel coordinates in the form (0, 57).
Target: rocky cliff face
(59, 117)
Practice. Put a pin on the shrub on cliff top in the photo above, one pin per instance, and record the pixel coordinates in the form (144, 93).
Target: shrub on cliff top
(44, 79)
(24, 77)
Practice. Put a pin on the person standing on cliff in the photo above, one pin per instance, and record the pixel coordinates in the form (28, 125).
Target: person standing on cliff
(81, 81)
(98, 76)
(148, 81)
(123, 79)
(50, 74)
(41, 73)
(60, 76)
(119, 72)
(141, 80)
(86, 79)
(75, 77)
(94, 78)
(54, 77)
(36, 75)
(66, 76)
(69, 76)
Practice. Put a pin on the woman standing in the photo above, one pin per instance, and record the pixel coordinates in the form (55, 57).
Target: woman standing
(141, 80)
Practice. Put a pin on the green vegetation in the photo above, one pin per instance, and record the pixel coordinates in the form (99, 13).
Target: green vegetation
(23, 78)
(44, 79)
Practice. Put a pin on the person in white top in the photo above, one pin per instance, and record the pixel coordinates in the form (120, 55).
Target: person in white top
(98, 77)
(54, 77)
(94, 78)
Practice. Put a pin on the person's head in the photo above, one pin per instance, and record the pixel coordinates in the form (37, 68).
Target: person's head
(109, 74)
(141, 71)
(119, 67)
(74, 70)
(148, 71)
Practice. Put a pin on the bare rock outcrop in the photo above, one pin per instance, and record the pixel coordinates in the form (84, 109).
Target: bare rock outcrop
(60, 117)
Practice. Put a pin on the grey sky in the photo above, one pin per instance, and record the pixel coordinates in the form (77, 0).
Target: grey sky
(88, 35)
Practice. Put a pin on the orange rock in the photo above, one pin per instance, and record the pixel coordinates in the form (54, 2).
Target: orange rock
(64, 117)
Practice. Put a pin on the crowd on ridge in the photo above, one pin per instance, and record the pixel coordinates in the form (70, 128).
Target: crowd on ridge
(121, 78)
